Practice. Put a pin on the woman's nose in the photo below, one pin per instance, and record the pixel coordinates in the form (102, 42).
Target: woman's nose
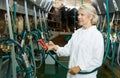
(79, 16)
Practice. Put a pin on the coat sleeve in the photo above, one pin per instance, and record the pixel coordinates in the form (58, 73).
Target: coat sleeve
(92, 58)
(65, 51)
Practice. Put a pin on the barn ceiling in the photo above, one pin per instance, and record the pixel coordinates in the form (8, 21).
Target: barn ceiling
(100, 5)
(72, 3)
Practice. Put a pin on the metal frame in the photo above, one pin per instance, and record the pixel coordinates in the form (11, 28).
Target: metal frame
(20, 6)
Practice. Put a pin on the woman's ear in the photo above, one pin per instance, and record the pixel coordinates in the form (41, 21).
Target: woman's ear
(91, 16)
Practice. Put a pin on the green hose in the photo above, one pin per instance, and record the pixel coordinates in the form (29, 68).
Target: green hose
(65, 67)
(108, 39)
(108, 31)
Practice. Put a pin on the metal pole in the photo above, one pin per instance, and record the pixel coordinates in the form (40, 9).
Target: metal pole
(75, 17)
(35, 17)
(82, 1)
(13, 59)
(41, 27)
(41, 3)
(49, 6)
(31, 44)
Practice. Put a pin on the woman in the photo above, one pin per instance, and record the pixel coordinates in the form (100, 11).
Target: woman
(86, 46)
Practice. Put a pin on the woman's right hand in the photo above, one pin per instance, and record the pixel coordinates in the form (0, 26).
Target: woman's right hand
(52, 46)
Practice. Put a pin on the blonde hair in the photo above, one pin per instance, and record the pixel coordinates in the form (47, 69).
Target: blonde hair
(90, 10)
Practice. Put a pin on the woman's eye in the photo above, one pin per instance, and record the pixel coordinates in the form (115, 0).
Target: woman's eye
(81, 14)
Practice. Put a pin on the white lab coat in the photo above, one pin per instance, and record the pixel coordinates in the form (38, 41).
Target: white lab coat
(86, 49)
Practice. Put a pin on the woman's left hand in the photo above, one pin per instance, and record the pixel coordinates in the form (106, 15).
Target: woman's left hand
(74, 70)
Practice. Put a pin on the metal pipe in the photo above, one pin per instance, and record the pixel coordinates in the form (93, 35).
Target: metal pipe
(115, 5)
(35, 17)
(41, 2)
(31, 44)
(50, 6)
(41, 27)
(14, 63)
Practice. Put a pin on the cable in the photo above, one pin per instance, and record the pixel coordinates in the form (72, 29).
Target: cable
(65, 67)
(108, 31)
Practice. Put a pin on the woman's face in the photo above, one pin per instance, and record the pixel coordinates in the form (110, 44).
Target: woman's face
(84, 18)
